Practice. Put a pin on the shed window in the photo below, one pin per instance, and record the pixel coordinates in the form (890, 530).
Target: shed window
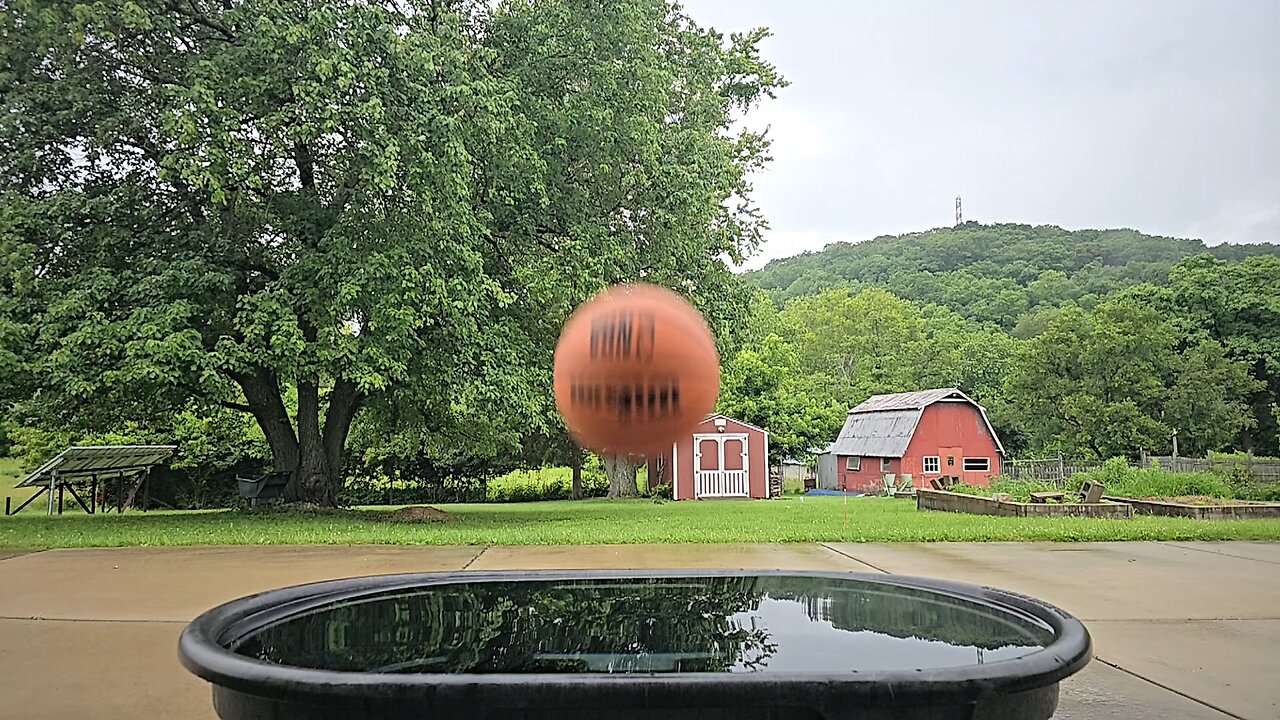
(933, 464)
(853, 464)
(884, 464)
(977, 464)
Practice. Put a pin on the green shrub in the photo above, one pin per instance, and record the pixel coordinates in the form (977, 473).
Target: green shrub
(970, 490)
(1020, 490)
(1123, 480)
(1261, 493)
(662, 491)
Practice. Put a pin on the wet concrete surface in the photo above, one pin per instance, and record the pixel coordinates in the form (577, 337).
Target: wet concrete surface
(176, 584)
(1185, 630)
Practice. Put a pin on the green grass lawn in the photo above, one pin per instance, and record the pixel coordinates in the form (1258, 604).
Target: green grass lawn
(10, 473)
(603, 521)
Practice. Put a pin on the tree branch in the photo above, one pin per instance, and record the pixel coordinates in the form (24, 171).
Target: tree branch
(306, 166)
(235, 406)
(193, 13)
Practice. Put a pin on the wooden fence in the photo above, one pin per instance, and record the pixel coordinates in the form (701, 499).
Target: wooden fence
(1057, 470)
(1263, 471)
(1053, 470)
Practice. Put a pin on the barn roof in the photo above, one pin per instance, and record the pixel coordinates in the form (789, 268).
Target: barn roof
(917, 400)
(882, 425)
(885, 433)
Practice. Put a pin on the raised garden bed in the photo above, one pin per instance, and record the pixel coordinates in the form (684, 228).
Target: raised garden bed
(1201, 508)
(977, 505)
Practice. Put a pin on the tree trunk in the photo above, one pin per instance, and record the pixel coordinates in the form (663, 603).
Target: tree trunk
(313, 481)
(262, 392)
(575, 464)
(622, 476)
(314, 454)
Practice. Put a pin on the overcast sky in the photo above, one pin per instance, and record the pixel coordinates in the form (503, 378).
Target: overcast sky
(1159, 115)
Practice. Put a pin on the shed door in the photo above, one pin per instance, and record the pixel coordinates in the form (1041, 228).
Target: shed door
(721, 463)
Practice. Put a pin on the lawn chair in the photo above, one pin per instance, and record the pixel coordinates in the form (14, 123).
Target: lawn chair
(908, 487)
(889, 487)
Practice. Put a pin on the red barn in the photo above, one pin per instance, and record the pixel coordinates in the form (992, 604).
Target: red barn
(722, 457)
(925, 434)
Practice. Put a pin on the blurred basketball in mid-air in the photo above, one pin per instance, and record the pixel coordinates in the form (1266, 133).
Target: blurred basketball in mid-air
(636, 368)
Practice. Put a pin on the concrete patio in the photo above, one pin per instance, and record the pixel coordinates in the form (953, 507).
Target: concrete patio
(1181, 630)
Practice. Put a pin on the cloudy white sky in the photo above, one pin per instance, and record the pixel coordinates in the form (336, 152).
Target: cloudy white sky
(1158, 115)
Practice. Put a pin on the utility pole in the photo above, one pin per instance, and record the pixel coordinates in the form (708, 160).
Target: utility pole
(959, 215)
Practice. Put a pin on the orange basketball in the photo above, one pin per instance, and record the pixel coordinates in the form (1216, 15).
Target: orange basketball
(636, 368)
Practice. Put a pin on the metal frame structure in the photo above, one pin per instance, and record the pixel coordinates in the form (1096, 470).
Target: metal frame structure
(86, 465)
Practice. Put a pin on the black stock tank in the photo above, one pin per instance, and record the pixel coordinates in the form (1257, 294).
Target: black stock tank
(635, 644)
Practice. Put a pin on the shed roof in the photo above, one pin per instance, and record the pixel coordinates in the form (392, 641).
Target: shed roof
(744, 423)
(83, 461)
(882, 425)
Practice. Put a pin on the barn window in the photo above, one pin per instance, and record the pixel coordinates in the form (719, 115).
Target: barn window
(884, 464)
(933, 464)
(977, 464)
(853, 464)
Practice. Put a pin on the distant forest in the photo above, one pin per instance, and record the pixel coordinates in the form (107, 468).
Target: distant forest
(1002, 273)
(1091, 342)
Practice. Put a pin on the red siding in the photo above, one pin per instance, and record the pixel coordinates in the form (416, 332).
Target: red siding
(682, 464)
(952, 425)
(868, 478)
(943, 425)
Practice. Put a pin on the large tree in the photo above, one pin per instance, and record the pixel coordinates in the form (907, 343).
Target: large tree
(383, 206)
(1117, 380)
(1238, 306)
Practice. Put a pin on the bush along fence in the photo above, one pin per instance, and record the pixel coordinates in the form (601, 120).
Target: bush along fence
(1258, 469)
(1241, 469)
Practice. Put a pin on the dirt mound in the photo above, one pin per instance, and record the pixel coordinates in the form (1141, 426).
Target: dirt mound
(417, 514)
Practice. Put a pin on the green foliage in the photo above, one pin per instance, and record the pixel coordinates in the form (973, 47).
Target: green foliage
(994, 273)
(661, 492)
(803, 367)
(1123, 480)
(1237, 305)
(380, 208)
(557, 484)
(1112, 381)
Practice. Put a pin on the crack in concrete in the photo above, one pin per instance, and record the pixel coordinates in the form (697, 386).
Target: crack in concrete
(1217, 552)
(855, 559)
(91, 620)
(477, 556)
(1173, 690)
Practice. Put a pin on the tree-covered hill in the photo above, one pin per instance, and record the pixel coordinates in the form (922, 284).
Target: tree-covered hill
(995, 273)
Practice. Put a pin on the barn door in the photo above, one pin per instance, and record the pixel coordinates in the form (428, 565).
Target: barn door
(951, 463)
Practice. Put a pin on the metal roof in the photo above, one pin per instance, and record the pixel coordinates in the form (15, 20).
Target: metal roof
(83, 461)
(910, 400)
(876, 434)
(882, 425)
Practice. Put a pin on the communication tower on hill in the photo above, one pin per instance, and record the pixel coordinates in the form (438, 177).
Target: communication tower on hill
(959, 216)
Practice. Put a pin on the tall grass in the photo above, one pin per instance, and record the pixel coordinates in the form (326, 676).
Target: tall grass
(1123, 480)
